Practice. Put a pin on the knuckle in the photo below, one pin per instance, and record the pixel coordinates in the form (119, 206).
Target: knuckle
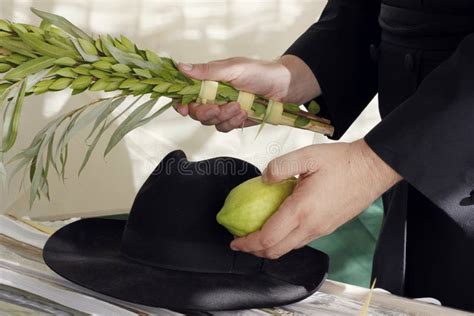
(221, 128)
(204, 68)
(272, 168)
(237, 121)
(267, 242)
(273, 255)
(319, 230)
(302, 214)
(207, 123)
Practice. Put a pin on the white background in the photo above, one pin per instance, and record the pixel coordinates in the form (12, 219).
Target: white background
(191, 31)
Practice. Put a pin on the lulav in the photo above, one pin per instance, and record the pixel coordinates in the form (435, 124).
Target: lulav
(57, 55)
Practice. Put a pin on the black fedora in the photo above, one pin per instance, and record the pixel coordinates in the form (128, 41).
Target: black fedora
(172, 253)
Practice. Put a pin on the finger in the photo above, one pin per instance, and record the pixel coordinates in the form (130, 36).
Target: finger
(277, 227)
(300, 161)
(235, 122)
(226, 112)
(306, 241)
(229, 110)
(203, 112)
(220, 70)
(290, 242)
(181, 109)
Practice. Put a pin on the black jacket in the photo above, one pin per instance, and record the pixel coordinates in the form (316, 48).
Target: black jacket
(419, 57)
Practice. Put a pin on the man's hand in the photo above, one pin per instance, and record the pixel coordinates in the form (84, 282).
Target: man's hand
(336, 183)
(288, 80)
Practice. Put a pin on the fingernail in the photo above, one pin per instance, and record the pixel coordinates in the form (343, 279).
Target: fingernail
(233, 247)
(210, 114)
(185, 66)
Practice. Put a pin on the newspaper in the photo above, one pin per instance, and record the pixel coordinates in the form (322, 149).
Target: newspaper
(27, 285)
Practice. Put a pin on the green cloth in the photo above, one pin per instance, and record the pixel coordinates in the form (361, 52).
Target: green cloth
(351, 247)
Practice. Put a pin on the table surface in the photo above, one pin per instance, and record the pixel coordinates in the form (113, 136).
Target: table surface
(27, 285)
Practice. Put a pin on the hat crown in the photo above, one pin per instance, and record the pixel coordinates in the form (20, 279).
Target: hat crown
(173, 224)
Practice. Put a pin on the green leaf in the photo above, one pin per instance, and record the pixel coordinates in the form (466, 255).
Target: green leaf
(193, 90)
(86, 56)
(162, 87)
(121, 68)
(129, 59)
(29, 67)
(102, 65)
(59, 41)
(111, 105)
(314, 107)
(175, 88)
(88, 47)
(128, 83)
(291, 107)
(99, 73)
(152, 56)
(301, 121)
(142, 72)
(156, 114)
(62, 23)
(265, 118)
(5, 26)
(129, 124)
(152, 81)
(65, 61)
(227, 92)
(187, 99)
(92, 147)
(19, 28)
(25, 159)
(45, 48)
(3, 178)
(99, 85)
(128, 44)
(16, 59)
(11, 118)
(60, 84)
(5, 67)
(66, 72)
(63, 160)
(84, 119)
(17, 47)
(259, 109)
(39, 173)
(81, 82)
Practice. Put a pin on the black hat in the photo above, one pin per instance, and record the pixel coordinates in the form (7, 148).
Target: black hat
(172, 253)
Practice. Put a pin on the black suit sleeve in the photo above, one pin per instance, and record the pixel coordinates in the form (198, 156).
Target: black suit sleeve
(429, 138)
(337, 49)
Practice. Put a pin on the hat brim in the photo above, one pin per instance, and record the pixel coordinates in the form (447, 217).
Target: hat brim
(87, 252)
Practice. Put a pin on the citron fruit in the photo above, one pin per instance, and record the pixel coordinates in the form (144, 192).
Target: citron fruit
(250, 204)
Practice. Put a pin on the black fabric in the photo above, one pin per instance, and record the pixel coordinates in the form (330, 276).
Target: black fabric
(426, 138)
(425, 80)
(187, 222)
(337, 51)
(172, 253)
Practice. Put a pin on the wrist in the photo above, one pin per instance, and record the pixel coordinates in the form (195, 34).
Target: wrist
(303, 85)
(377, 172)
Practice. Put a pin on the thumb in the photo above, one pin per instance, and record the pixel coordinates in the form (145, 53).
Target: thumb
(295, 163)
(216, 70)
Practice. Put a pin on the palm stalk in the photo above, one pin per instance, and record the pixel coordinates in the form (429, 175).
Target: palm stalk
(57, 55)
